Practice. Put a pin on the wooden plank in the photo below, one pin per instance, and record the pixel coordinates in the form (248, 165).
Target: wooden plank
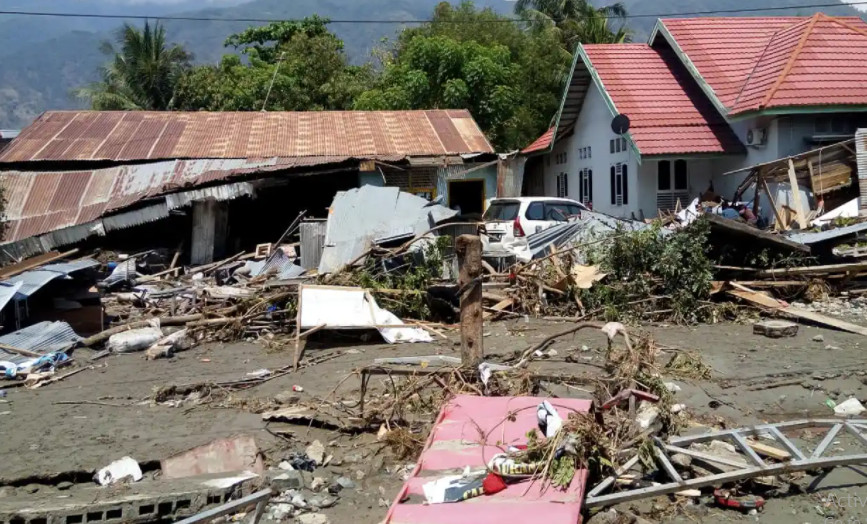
(771, 303)
(781, 224)
(34, 262)
(769, 451)
(813, 270)
(740, 229)
(499, 306)
(796, 196)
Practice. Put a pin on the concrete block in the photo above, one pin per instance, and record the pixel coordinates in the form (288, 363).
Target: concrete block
(775, 328)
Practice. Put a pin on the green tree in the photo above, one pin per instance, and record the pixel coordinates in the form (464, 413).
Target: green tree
(577, 20)
(293, 66)
(510, 79)
(142, 74)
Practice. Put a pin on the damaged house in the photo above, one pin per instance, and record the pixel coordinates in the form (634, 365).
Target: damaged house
(704, 97)
(218, 183)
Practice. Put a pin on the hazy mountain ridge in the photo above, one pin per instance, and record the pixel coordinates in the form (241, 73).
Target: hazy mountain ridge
(42, 59)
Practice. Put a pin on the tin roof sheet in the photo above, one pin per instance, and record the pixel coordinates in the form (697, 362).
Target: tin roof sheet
(43, 337)
(151, 135)
(469, 431)
(30, 282)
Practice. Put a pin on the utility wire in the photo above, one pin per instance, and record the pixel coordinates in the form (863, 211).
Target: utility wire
(838, 3)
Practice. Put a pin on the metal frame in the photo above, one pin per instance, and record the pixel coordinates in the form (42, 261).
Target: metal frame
(752, 466)
(260, 499)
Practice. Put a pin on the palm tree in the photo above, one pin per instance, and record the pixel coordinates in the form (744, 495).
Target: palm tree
(142, 74)
(577, 20)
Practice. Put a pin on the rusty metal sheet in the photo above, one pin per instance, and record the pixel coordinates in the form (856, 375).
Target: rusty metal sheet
(138, 135)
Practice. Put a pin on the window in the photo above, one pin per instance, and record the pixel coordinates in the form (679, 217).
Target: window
(502, 210)
(559, 211)
(565, 158)
(619, 185)
(585, 186)
(617, 145)
(562, 186)
(581, 154)
(623, 144)
(589, 151)
(663, 173)
(611, 145)
(680, 182)
(672, 186)
(536, 210)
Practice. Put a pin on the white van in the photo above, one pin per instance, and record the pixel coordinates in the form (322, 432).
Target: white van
(508, 219)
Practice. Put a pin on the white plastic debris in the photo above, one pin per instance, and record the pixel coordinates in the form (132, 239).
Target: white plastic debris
(647, 415)
(485, 372)
(549, 420)
(612, 328)
(121, 469)
(849, 408)
(671, 386)
(134, 340)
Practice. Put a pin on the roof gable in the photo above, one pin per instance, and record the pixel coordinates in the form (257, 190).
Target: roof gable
(754, 64)
(149, 135)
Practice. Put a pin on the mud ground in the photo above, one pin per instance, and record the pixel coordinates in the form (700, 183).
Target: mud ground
(87, 420)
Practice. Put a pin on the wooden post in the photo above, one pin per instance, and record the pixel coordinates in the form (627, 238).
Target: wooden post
(469, 251)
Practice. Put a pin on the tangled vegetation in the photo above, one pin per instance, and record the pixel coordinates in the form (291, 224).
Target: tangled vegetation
(671, 273)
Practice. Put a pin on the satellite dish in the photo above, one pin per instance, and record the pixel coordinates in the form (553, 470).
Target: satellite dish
(620, 124)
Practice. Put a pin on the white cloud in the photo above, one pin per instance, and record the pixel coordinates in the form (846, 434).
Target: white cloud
(857, 4)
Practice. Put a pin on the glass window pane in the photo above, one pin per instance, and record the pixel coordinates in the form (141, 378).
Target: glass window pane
(680, 181)
(536, 211)
(663, 175)
(502, 211)
(611, 144)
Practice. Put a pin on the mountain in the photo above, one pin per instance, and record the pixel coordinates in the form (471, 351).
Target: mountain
(42, 59)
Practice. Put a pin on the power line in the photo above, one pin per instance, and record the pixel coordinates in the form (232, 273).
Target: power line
(838, 3)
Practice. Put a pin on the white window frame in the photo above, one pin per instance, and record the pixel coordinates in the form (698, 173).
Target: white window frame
(619, 176)
(585, 186)
(562, 185)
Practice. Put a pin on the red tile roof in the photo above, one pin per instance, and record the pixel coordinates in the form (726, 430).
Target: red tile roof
(540, 144)
(761, 63)
(141, 135)
(668, 112)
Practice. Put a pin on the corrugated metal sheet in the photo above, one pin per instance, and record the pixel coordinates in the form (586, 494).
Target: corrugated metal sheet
(830, 234)
(33, 280)
(312, 242)
(143, 135)
(668, 112)
(219, 193)
(359, 216)
(44, 337)
(7, 292)
(861, 153)
(279, 266)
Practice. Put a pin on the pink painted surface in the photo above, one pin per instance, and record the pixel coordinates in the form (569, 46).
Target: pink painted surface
(468, 432)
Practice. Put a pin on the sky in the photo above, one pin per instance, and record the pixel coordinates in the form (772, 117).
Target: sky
(857, 4)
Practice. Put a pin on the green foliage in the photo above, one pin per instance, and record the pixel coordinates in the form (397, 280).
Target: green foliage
(414, 277)
(142, 74)
(645, 264)
(577, 21)
(265, 41)
(304, 61)
(509, 79)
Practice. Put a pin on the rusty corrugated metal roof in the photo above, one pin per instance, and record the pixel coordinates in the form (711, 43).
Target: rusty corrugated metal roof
(40, 202)
(147, 135)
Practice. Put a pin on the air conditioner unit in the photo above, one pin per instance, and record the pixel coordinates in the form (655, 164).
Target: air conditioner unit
(757, 136)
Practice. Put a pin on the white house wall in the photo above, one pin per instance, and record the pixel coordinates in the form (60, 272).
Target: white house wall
(593, 130)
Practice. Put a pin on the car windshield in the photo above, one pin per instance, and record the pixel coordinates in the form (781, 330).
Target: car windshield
(502, 211)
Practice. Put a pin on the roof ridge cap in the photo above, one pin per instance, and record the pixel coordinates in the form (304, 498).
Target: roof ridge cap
(840, 21)
(792, 59)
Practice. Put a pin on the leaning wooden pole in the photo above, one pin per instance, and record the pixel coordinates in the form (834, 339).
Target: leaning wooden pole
(469, 251)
